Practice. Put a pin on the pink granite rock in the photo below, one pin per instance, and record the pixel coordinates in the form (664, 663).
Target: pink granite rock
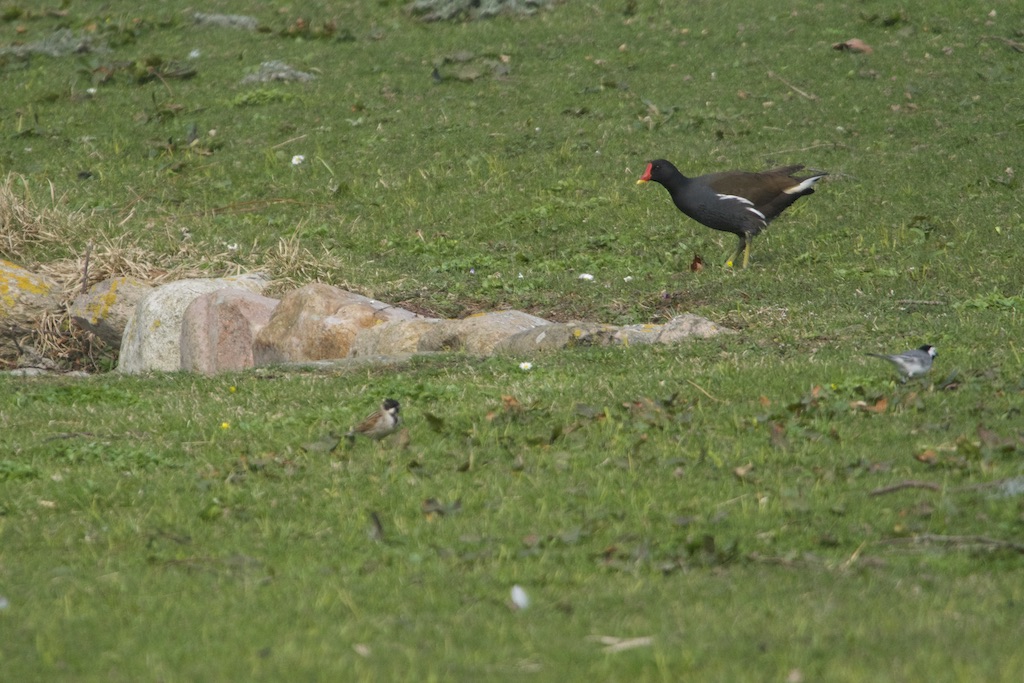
(152, 337)
(319, 322)
(218, 330)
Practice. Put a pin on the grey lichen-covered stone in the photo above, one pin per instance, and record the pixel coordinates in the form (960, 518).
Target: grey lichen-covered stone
(61, 43)
(25, 298)
(443, 10)
(392, 338)
(637, 335)
(107, 306)
(558, 336)
(277, 71)
(477, 334)
(236, 21)
(688, 326)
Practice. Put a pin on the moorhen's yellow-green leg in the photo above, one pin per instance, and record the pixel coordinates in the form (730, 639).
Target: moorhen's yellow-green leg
(743, 248)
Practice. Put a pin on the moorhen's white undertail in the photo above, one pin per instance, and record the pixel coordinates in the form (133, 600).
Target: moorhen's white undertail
(739, 202)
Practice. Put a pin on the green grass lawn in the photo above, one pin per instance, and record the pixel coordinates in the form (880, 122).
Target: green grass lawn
(770, 505)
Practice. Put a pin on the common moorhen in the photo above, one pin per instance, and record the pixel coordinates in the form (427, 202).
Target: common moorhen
(739, 202)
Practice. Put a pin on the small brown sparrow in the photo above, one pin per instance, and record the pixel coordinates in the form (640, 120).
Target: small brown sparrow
(379, 424)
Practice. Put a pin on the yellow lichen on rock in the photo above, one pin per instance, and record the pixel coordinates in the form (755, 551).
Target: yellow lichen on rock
(24, 293)
(105, 308)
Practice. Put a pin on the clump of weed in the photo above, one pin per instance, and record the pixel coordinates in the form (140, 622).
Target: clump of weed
(30, 225)
(27, 222)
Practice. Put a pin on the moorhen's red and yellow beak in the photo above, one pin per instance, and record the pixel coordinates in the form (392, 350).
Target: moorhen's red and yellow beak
(646, 177)
(739, 202)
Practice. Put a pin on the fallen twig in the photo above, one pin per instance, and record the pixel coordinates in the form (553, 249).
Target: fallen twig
(1012, 44)
(246, 206)
(985, 541)
(987, 485)
(798, 91)
(899, 486)
(701, 390)
(853, 558)
(613, 644)
(794, 150)
(289, 141)
(85, 268)
(780, 560)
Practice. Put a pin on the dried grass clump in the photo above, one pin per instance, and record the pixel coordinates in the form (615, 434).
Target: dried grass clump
(28, 224)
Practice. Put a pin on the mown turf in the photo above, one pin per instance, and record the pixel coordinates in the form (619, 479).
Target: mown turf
(769, 505)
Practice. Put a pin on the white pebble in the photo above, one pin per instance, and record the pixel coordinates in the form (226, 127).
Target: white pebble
(519, 597)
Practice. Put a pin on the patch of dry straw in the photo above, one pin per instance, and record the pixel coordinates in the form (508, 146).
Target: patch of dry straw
(29, 223)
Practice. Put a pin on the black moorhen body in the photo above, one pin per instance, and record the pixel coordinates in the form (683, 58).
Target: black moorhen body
(739, 202)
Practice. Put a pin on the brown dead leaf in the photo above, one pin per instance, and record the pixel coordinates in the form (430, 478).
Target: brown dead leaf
(697, 264)
(742, 471)
(764, 401)
(376, 531)
(992, 440)
(928, 456)
(645, 409)
(879, 406)
(778, 438)
(1012, 44)
(988, 437)
(432, 508)
(854, 45)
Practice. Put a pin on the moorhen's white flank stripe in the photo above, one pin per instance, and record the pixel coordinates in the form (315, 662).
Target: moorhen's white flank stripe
(744, 200)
